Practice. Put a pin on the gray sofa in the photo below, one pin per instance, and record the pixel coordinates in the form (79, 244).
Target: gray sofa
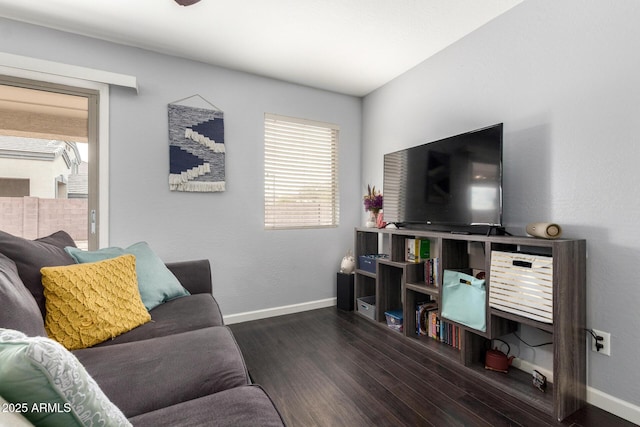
(182, 368)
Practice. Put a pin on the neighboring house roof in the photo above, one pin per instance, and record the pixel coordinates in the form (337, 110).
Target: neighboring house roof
(78, 183)
(15, 147)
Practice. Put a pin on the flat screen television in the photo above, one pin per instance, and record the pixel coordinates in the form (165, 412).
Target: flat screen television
(452, 182)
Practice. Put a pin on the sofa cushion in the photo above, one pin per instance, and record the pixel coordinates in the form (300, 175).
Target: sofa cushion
(39, 371)
(19, 309)
(241, 406)
(156, 283)
(179, 315)
(31, 255)
(194, 275)
(90, 303)
(147, 375)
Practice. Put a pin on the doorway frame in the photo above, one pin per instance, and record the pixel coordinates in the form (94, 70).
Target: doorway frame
(34, 69)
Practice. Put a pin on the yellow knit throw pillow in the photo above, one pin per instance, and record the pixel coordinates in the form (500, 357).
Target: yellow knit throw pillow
(89, 303)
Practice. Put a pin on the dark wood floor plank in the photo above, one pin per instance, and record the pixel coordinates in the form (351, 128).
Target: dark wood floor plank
(510, 407)
(466, 391)
(421, 362)
(323, 402)
(362, 366)
(455, 403)
(439, 409)
(363, 391)
(406, 378)
(372, 394)
(332, 368)
(330, 389)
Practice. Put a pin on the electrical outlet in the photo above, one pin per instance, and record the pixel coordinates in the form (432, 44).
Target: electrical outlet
(606, 342)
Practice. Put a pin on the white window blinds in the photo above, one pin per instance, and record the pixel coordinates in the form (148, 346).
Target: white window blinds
(300, 173)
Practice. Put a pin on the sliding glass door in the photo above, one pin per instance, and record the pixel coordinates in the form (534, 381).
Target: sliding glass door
(49, 160)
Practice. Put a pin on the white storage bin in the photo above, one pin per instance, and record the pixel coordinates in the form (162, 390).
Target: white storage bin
(522, 284)
(367, 306)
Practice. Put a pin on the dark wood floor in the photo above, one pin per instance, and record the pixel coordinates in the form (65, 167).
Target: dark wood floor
(328, 367)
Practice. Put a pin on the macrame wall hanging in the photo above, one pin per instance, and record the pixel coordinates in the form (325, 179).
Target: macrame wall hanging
(196, 146)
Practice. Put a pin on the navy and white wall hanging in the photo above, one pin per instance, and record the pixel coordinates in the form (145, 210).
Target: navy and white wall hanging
(196, 146)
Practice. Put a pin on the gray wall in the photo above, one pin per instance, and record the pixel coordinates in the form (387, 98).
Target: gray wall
(252, 269)
(564, 77)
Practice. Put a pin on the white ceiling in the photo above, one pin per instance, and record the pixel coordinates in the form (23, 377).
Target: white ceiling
(346, 46)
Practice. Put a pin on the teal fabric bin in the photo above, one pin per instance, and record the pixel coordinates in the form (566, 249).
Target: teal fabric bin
(464, 300)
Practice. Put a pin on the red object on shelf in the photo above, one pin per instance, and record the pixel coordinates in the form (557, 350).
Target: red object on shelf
(496, 360)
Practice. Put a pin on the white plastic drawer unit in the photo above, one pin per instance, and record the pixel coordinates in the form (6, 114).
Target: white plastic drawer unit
(522, 284)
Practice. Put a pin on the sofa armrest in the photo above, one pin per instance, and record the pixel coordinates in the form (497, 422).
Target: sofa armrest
(195, 276)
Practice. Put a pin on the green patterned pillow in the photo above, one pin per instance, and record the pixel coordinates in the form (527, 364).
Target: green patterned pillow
(50, 385)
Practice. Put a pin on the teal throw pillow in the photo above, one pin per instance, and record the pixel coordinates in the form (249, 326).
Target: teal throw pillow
(156, 283)
(49, 386)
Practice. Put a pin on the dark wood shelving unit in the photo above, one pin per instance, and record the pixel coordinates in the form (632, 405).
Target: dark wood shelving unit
(398, 284)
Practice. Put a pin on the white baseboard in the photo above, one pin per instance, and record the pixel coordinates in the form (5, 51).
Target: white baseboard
(595, 397)
(612, 404)
(278, 311)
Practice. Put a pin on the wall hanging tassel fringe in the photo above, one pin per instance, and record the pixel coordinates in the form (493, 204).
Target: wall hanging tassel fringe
(196, 146)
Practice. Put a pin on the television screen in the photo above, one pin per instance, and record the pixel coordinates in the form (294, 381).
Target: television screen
(456, 181)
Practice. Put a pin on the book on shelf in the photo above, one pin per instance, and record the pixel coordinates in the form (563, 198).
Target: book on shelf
(443, 331)
(422, 313)
(431, 268)
(418, 250)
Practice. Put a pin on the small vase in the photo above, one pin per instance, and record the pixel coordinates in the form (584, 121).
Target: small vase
(380, 220)
(372, 220)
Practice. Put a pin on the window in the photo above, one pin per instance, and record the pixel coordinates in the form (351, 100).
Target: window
(47, 135)
(300, 173)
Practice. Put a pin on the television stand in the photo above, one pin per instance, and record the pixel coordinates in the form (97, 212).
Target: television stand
(396, 283)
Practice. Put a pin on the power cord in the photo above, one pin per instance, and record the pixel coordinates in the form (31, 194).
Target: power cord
(598, 338)
(529, 345)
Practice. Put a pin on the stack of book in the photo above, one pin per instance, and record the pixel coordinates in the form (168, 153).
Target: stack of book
(431, 268)
(430, 325)
(422, 316)
(418, 250)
